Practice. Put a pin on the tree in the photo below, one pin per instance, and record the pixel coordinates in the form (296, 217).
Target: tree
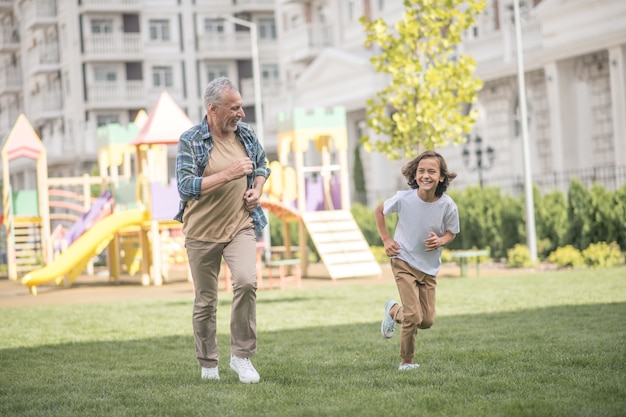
(432, 85)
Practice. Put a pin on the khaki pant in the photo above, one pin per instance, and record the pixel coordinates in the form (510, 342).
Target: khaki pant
(417, 295)
(204, 261)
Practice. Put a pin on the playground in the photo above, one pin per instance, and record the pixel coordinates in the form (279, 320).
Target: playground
(120, 219)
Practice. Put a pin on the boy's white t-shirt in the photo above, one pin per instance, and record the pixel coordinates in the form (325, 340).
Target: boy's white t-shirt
(416, 219)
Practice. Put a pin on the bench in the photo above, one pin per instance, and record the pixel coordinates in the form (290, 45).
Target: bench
(463, 257)
(283, 270)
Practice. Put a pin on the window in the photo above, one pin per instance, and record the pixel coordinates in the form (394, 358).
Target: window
(105, 119)
(102, 74)
(213, 26)
(269, 72)
(216, 71)
(101, 26)
(162, 77)
(267, 29)
(159, 30)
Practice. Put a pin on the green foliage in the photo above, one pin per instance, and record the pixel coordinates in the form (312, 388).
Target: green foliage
(578, 214)
(446, 255)
(379, 254)
(364, 218)
(603, 255)
(358, 176)
(567, 256)
(519, 257)
(431, 83)
(550, 220)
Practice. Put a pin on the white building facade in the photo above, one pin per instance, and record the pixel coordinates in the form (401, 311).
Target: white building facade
(72, 65)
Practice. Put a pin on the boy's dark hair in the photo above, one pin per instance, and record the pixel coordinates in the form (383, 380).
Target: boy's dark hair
(410, 169)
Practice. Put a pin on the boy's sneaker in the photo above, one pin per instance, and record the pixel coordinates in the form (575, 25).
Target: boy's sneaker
(408, 366)
(245, 370)
(210, 373)
(388, 325)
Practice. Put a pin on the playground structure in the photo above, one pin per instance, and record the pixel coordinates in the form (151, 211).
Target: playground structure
(132, 219)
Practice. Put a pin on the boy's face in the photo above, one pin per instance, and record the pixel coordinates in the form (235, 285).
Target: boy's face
(428, 174)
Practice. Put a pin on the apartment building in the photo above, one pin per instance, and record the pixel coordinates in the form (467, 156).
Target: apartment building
(71, 65)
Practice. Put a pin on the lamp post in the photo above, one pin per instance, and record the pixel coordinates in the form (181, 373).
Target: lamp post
(480, 164)
(256, 72)
(531, 238)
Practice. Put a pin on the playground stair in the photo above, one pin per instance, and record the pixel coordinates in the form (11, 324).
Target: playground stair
(28, 250)
(341, 244)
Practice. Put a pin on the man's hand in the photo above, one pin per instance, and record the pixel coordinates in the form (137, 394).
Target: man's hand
(240, 168)
(251, 199)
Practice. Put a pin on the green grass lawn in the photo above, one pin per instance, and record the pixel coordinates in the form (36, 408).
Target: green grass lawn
(543, 344)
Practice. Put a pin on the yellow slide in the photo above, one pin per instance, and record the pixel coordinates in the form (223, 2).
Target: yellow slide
(74, 260)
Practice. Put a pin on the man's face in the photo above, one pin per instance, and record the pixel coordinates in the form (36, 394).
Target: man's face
(226, 115)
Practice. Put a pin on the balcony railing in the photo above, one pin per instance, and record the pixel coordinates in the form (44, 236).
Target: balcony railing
(306, 41)
(114, 93)
(10, 80)
(269, 88)
(116, 43)
(42, 56)
(46, 105)
(40, 12)
(225, 45)
(9, 38)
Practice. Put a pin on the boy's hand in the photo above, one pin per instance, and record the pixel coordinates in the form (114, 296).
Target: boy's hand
(432, 242)
(391, 247)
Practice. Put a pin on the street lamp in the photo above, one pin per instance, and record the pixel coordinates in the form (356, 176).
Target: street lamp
(256, 72)
(480, 165)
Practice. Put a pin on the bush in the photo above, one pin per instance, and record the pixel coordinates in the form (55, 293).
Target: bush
(603, 255)
(519, 257)
(379, 254)
(567, 256)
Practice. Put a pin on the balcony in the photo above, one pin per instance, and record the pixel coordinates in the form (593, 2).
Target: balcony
(116, 94)
(40, 13)
(501, 46)
(43, 58)
(306, 42)
(6, 5)
(113, 47)
(45, 106)
(253, 5)
(8, 117)
(10, 80)
(225, 46)
(110, 5)
(9, 39)
(269, 88)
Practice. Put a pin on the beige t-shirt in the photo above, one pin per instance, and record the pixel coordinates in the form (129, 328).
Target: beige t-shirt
(219, 215)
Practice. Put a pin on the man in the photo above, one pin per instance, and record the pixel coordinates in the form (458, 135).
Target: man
(220, 170)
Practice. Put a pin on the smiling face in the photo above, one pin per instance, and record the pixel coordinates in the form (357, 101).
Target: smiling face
(225, 115)
(428, 175)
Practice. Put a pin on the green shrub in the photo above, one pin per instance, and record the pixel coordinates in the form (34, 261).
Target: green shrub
(446, 255)
(519, 257)
(567, 256)
(603, 255)
(379, 254)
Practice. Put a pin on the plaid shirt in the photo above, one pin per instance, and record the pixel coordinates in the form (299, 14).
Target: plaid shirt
(194, 149)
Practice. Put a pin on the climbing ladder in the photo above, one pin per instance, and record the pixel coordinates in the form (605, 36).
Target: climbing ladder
(341, 244)
(28, 249)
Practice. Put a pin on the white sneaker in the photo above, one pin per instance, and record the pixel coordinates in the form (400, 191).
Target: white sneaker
(408, 366)
(210, 373)
(245, 370)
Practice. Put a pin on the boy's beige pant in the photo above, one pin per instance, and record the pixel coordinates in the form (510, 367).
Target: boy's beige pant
(205, 260)
(417, 295)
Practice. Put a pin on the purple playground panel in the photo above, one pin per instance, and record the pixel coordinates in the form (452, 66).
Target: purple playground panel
(315, 193)
(85, 221)
(165, 200)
